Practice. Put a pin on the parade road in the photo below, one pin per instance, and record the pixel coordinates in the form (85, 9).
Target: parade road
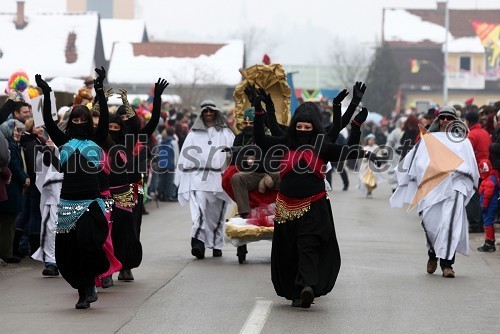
(383, 286)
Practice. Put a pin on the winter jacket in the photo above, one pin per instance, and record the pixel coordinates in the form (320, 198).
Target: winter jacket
(480, 140)
(15, 188)
(4, 151)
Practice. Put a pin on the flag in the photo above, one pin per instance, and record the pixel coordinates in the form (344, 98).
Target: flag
(414, 65)
(293, 99)
(489, 34)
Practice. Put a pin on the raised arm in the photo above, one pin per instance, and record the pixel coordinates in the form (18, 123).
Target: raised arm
(333, 152)
(132, 122)
(259, 134)
(357, 94)
(336, 127)
(8, 107)
(58, 137)
(272, 121)
(160, 86)
(101, 132)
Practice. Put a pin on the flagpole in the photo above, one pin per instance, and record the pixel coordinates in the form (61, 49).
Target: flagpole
(445, 66)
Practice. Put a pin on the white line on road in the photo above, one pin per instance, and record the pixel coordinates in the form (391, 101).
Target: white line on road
(257, 318)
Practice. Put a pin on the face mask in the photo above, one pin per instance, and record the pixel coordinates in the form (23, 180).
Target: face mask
(304, 137)
(247, 130)
(79, 131)
(116, 135)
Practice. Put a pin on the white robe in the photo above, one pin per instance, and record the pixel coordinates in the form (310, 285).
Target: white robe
(444, 218)
(49, 183)
(195, 160)
(199, 178)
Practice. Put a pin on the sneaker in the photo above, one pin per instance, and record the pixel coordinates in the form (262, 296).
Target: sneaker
(432, 266)
(448, 273)
(50, 271)
(489, 246)
(306, 297)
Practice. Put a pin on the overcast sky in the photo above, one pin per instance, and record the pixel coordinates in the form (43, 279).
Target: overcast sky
(290, 31)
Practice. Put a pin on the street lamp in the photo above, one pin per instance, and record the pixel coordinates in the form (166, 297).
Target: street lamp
(445, 67)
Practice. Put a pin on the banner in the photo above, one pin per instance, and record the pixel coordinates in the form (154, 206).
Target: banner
(37, 109)
(489, 34)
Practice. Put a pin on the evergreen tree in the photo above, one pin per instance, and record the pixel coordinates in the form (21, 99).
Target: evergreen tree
(382, 82)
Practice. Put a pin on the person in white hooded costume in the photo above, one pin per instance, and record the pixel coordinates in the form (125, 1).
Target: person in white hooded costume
(49, 183)
(439, 176)
(199, 178)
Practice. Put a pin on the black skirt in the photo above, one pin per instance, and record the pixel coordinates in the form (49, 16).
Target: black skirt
(126, 244)
(79, 253)
(305, 252)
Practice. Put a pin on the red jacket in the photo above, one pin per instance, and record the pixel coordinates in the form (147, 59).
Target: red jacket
(488, 184)
(480, 140)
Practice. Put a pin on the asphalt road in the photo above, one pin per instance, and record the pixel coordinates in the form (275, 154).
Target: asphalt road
(382, 287)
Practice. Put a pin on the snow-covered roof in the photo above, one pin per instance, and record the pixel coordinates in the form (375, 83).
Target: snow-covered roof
(219, 68)
(400, 25)
(65, 85)
(115, 30)
(466, 44)
(40, 46)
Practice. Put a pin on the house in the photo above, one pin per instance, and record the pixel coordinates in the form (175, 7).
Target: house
(417, 39)
(196, 71)
(52, 44)
(121, 30)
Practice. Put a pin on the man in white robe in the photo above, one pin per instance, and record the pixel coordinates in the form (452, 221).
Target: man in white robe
(199, 178)
(439, 176)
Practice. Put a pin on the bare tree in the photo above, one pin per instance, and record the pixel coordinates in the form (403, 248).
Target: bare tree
(350, 61)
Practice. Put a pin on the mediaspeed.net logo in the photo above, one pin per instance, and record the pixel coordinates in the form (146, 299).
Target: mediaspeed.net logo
(442, 160)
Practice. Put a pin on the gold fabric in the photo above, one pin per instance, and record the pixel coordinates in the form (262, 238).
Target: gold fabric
(273, 79)
(249, 231)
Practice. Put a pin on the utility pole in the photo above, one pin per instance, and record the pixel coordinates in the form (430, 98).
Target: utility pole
(445, 63)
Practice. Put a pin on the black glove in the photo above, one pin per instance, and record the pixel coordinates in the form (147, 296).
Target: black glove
(42, 84)
(358, 91)
(266, 98)
(361, 116)
(99, 81)
(340, 97)
(160, 86)
(251, 93)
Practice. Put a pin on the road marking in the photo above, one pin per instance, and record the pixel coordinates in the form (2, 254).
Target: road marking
(257, 318)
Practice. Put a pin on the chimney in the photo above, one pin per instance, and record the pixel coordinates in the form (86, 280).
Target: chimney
(20, 19)
(70, 52)
(441, 6)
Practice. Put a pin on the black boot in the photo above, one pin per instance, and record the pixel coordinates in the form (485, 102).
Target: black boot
(82, 300)
(197, 248)
(489, 246)
(91, 294)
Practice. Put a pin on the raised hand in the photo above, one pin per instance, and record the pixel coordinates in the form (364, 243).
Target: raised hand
(109, 92)
(42, 84)
(265, 97)
(361, 116)
(251, 93)
(340, 97)
(160, 86)
(358, 90)
(99, 81)
(123, 94)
